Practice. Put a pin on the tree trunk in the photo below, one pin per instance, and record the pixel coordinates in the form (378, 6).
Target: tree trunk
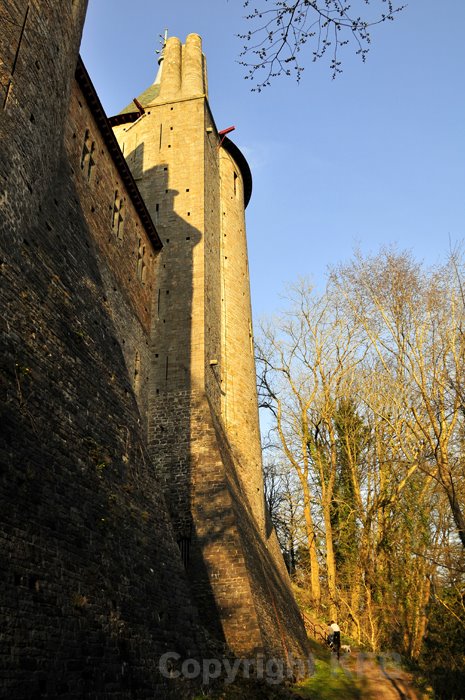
(311, 544)
(330, 561)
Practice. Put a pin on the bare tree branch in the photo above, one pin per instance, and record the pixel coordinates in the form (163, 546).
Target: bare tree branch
(282, 28)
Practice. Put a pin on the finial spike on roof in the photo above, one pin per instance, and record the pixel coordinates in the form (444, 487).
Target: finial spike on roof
(163, 38)
(160, 53)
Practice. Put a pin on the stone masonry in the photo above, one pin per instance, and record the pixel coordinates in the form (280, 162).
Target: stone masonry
(131, 499)
(93, 589)
(202, 393)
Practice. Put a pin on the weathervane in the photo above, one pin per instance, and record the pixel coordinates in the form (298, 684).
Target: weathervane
(163, 38)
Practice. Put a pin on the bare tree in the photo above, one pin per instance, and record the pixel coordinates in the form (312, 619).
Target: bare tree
(365, 384)
(306, 359)
(284, 503)
(415, 322)
(282, 28)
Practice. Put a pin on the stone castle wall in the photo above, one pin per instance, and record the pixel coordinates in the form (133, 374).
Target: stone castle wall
(125, 252)
(39, 42)
(202, 390)
(93, 588)
(113, 365)
(239, 405)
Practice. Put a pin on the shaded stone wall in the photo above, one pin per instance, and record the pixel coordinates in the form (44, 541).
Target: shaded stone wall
(38, 46)
(99, 575)
(278, 617)
(126, 255)
(214, 384)
(92, 584)
(93, 589)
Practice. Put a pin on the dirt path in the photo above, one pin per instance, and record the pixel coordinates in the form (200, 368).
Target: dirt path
(380, 678)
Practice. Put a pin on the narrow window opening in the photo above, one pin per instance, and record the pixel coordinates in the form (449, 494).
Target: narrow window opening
(141, 264)
(235, 183)
(184, 548)
(136, 381)
(161, 135)
(87, 155)
(117, 218)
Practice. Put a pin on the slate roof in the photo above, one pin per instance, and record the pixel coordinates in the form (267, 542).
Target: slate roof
(145, 98)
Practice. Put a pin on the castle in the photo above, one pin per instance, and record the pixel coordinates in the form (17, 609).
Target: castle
(133, 518)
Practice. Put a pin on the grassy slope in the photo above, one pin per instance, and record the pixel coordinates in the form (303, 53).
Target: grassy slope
(329, 681)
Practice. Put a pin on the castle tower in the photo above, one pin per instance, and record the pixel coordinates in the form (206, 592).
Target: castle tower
(203, 416)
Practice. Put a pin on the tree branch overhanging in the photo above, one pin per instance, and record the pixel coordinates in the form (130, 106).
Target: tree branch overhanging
(282, 28)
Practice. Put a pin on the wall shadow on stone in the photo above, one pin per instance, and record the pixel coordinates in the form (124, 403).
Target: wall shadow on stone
(278, 615)
(237, 584)
(173, 389)
(93, 588)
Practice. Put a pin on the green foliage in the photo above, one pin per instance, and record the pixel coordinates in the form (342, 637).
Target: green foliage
(352, 438)
(330, 681)
(365, 386)
(442, 661)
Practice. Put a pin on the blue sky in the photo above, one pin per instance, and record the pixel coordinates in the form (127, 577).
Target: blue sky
(375, 157)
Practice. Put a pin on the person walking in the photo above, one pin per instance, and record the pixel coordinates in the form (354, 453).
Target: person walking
(334, 637)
